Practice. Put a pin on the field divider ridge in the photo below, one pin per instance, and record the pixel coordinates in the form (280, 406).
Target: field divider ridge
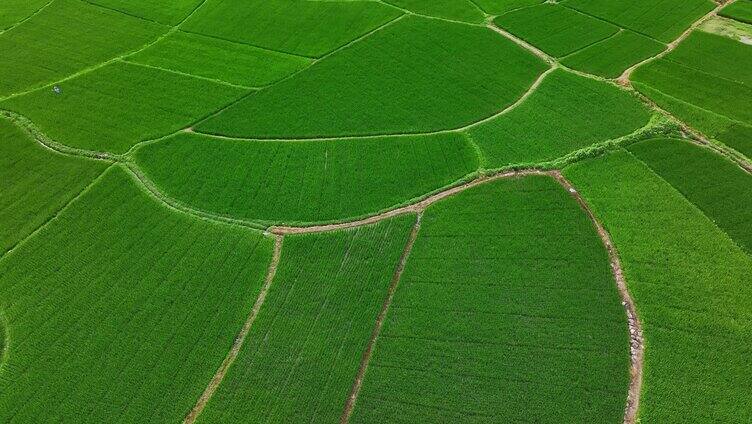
(169, 31)
(366, 358)
(625, 80)
(35, 13)
(58, 212)
(214, 383)
(637, 342)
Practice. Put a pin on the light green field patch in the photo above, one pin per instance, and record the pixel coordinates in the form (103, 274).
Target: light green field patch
(35, 183)
(15, 11)
(116, 106)
(717, 186)
(123, 310)
(309, 181)
(417, 75)
(308, 28)
(566, 113)
(302, 354)
(707, 82)
(67, 37)
(459, 10)
(691, 285)
(218, 59)
(664, 20)
(507, 311)
(555, 29)
(167, 12)
(612, 56)
(730, 28)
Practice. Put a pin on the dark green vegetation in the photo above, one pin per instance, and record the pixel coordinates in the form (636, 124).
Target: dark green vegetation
(690, 282)
(308, 28)
(168, 12)
(717, 186)
(610, 57)
(96, 111)
(200, 55)
(308, 181)
(65, 38)
(36, 183)
(566, 113)
(740, 10)
(459, 10)
(14, 11)
(664, 20)
(442, 84)
(555, 29)
(304, 349)
(507, 311)
(121, 310)
(707, 82)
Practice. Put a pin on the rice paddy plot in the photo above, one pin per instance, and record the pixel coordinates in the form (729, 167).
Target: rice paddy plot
(416, 75)
(507, 311)
(740, 10)
(65, 38)
(169, 13)
(121, 310)
(611, 57)
(566, 113)
(302, 355)
(116, 106)
(308, 181)
(498, 7)
(664, 20)
(459, 10)
(307, 28)
(555, 29)
(13, 12)
(717, 186)
(213, 58)
(691, 285)
(707, 82)
(35, 183)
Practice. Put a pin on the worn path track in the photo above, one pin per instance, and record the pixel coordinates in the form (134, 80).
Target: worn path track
(240, 339)
(637, 344)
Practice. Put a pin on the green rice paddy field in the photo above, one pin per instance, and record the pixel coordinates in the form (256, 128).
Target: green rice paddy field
(376, 211)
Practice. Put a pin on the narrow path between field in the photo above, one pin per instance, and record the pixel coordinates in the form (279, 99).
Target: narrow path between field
(624, 79)
(637, 344)
(357, 384)
(35, 13)
(240, 339)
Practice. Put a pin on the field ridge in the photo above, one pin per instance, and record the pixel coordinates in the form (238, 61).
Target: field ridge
(399, 269)
(240, 339)
(637, 341)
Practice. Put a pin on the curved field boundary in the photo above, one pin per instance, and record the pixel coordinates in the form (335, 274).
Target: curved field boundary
(416, 208)
(35, 13)
(240, 339)
(637, 343)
